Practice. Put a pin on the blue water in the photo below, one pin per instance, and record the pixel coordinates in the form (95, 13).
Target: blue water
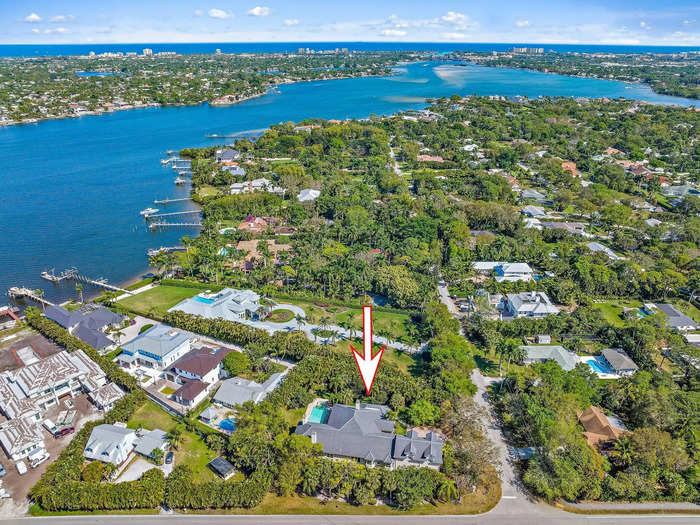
(72, 188)
(203, 299)
(228, 424)
(87, 74)
(599, 366)
(282, 47)
(318, 414)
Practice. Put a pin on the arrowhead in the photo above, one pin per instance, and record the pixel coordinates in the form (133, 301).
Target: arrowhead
(368, 367)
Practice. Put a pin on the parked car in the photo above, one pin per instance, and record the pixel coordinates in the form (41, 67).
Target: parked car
(21, 468)
(49, 426)
(64, 432)
(69, 403)
(2, 470)
(169, 458)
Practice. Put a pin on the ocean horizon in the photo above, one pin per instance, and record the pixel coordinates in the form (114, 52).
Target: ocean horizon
(29, 50)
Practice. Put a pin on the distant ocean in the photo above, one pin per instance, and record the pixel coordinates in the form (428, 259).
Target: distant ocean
(18, 50)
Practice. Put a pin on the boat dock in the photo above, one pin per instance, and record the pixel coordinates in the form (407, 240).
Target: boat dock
(52, 277)
(100, 283)
(171, 214)
(168, 201)
(18, 292)
(163, 225)
(165, 249)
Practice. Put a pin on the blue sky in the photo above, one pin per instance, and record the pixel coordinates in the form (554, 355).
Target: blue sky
(640, 22)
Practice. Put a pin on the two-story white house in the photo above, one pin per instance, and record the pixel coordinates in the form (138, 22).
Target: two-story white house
(158, 347)
(528, 304)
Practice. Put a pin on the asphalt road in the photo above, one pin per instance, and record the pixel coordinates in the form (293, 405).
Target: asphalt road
(493, 517)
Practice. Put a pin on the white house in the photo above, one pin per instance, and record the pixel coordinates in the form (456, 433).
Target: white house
(110, 443)
(105, 396)
(504, 271)
(20, 438)
(229, 304)
(533, 211)
(261, 184)
(236, 391)
(158, 347)
(528, 304)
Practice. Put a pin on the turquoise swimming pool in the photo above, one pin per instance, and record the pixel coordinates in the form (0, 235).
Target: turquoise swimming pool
(599, 366)
(319, 414)
(228, 424)
(203, 299)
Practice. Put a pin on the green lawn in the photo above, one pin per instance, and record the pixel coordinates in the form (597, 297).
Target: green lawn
(688, 309)
(280, 316)
(192, 452)
(401, 360)
(612, 310)
(160, 299)
(167, 391)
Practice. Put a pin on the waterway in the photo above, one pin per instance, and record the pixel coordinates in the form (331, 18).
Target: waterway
(72, 189)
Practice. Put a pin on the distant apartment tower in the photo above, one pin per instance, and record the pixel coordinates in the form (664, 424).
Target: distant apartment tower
(147, 52)
(300, 50)
(218, 51)
(529, 50)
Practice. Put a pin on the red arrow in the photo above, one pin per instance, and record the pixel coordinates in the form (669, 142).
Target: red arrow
(367, 364)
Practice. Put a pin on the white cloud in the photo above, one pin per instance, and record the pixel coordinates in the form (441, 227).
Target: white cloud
(393, 32)
(218, 13)
(453, 36)
(291, 22)
(454, 18)
(644, 25)
(522, 23)
(61, 18)
(35, 30)
(198, 12)
(259, 11)
(688, 22)
(57, 31)
(32, 18)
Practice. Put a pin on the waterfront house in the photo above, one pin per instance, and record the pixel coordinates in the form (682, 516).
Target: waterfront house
(619, 361)
(236, 391)
(158, 347)
(110, 444)
(227, 155)
(597, 247)
(528, 304)
(541, 353)
(88, 324)
(364, 432)
(229, 304)
(261, 184)
(597, 428)
(21, 438)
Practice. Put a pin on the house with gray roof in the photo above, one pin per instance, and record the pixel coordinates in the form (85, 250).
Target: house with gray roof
(597, 247)
(533, 211)
(20, 438)
(110, 443)
(158, 347)
(236, 391)
(528, 304)
(364, 432)
(560, 355)
(150, 440)
(105, 396)
(677, 319)
(530, 194)
(619, 361)
(227, 155)
(229, 304)
(87, 323)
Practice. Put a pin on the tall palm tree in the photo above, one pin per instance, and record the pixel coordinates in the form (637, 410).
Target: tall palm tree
(79, 289)
(175, 438)
(300, 319)
(448, 491)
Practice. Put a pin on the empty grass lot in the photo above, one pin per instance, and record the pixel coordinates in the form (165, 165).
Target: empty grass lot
(159, 299)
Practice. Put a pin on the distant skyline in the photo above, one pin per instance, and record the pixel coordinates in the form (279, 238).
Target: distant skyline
(621, 22)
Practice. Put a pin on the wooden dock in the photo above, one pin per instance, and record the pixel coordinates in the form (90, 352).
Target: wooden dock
(100, 283)
(168, 201)
(19, 292)
(163, 225)
(172, 214)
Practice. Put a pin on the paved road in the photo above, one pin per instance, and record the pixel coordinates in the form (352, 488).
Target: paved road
(485, 519)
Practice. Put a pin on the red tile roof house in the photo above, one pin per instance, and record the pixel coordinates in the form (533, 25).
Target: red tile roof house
(429, 158)
(197, 371)
(570, 167)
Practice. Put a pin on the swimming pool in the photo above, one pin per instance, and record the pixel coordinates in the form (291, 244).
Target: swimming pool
(599, 367)
(227, 424)
(203, 299)
(318, 414)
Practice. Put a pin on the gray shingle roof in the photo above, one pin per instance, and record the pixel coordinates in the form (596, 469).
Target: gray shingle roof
(558, 354)
(676, 318)
(618, 359)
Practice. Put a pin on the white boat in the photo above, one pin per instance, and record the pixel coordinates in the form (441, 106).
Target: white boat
(149, 211)
(180, 180)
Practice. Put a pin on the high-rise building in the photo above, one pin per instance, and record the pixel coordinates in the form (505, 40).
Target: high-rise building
(147, 52)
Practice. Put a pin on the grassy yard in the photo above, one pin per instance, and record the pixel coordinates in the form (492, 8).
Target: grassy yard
(612, 310)
(401, 360)
(160, 299)
(192, 452)
(280, 316)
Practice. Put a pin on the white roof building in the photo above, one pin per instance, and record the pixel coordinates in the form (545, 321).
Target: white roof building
(105, 396)
(158, 347)
(597, 247)
(236, 391)
(529, 304)
(261, 184)
(505, 271)
(110, 443)
(308, 195)
(533, 211)
(229, 303)
(20, 437)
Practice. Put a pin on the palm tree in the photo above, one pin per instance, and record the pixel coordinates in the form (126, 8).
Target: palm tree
(506, 348)
(300, 319)
(623, 452)
(79, 289)
(40, 294)
(175, 438)
(448, 491)
(118, 334)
